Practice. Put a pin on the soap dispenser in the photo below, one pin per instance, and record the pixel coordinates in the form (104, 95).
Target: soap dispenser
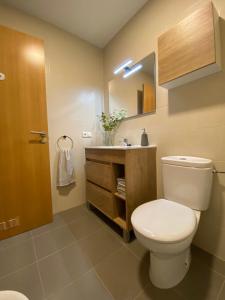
(144, 138)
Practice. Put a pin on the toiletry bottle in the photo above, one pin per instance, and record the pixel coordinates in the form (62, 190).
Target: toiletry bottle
(144, 138)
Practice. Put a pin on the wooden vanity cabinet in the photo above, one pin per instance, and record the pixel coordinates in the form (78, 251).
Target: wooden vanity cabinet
(105, 165)
(191, 49)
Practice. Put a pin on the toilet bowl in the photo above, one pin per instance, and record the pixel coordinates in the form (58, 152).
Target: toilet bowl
(167, 229)
(167, 226)
(12, 295)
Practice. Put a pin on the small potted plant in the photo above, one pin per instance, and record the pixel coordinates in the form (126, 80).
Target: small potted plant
(110, 122)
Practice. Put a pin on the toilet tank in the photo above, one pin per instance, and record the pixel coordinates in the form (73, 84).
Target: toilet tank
(187, 180)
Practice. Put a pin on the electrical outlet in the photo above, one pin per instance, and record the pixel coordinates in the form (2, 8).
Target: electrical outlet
(86, 134)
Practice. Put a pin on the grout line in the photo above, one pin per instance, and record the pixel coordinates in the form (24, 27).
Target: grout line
(57, 251)
(218, 273)
(17, 270)
(51, 230)
(89, 234)
(14, 244)
(179, 293)
(69, 284)
(220, 290)
(103, 284)
(210, 268)
(38, 268)
(132, 252)
(60, 290)
(111, 254)
(87, 216)
(46, 231)
(207, 265)
(140, 292)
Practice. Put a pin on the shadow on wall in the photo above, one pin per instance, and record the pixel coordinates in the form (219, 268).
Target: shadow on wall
(205, 92)
(209, 233)
(65, 190)
(203, 95)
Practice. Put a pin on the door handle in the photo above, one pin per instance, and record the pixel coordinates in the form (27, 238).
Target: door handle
(43, 135)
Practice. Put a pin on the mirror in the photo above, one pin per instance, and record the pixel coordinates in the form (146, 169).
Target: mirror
(135, 94)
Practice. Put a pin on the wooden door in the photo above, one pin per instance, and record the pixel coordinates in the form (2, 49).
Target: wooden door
(149, 104)
(25, 189)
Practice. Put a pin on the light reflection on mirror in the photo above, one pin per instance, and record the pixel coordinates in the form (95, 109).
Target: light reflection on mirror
(135, 94)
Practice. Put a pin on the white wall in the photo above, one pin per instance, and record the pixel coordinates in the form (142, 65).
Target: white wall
(74, 76)
(190, 120)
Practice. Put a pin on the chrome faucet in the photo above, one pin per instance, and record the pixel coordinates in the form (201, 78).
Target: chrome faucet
(125, 142)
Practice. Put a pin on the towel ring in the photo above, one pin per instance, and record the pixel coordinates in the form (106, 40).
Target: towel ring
(64, 137)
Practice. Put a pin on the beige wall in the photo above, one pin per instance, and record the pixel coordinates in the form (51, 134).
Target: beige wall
(190, 120)
(74, 93)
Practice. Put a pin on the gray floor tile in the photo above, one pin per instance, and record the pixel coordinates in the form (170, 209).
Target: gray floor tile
(79, 239)
(200, 283)
(123, 274)
(52, 241)
(222, 293)
(15, 257)
(99, 245)
(152, 293)
(15, 240)
(88, 287)
(85, 226)
(26, 281)
(137, 248)
(74, 213)
(61, 268)
(57, 222)
(211, 261)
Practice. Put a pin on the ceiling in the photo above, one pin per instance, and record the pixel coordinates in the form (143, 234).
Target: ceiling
(95, 21)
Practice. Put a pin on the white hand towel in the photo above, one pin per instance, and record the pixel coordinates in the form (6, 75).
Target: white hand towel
(65, 168)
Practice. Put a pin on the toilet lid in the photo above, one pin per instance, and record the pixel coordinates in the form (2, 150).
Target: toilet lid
(12, 295)
(164, 221)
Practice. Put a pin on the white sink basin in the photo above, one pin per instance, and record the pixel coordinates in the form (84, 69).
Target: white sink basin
(12, 295)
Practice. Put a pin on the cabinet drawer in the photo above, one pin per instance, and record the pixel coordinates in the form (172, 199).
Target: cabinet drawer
(99, 173)
(101, 198)
(107, 155)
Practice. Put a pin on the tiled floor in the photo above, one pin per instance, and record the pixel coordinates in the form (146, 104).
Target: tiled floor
(81, 257)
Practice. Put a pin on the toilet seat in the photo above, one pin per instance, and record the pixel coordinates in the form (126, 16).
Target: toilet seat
(164, 221)
(12, 295)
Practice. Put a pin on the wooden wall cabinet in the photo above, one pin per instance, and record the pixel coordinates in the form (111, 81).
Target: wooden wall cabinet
(191, 49)
(105, 165)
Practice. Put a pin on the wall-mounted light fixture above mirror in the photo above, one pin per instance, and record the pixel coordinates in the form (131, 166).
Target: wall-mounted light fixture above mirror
(133, 89)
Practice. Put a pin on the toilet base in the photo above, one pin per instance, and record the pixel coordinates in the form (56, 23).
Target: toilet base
(167, 270)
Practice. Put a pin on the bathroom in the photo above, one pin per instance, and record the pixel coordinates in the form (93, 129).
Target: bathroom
(83, 253)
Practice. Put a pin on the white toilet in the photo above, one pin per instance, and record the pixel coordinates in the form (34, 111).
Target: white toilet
(167, 226)
(12, 295)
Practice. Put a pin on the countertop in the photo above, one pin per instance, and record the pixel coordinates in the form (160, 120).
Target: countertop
(121, 147)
